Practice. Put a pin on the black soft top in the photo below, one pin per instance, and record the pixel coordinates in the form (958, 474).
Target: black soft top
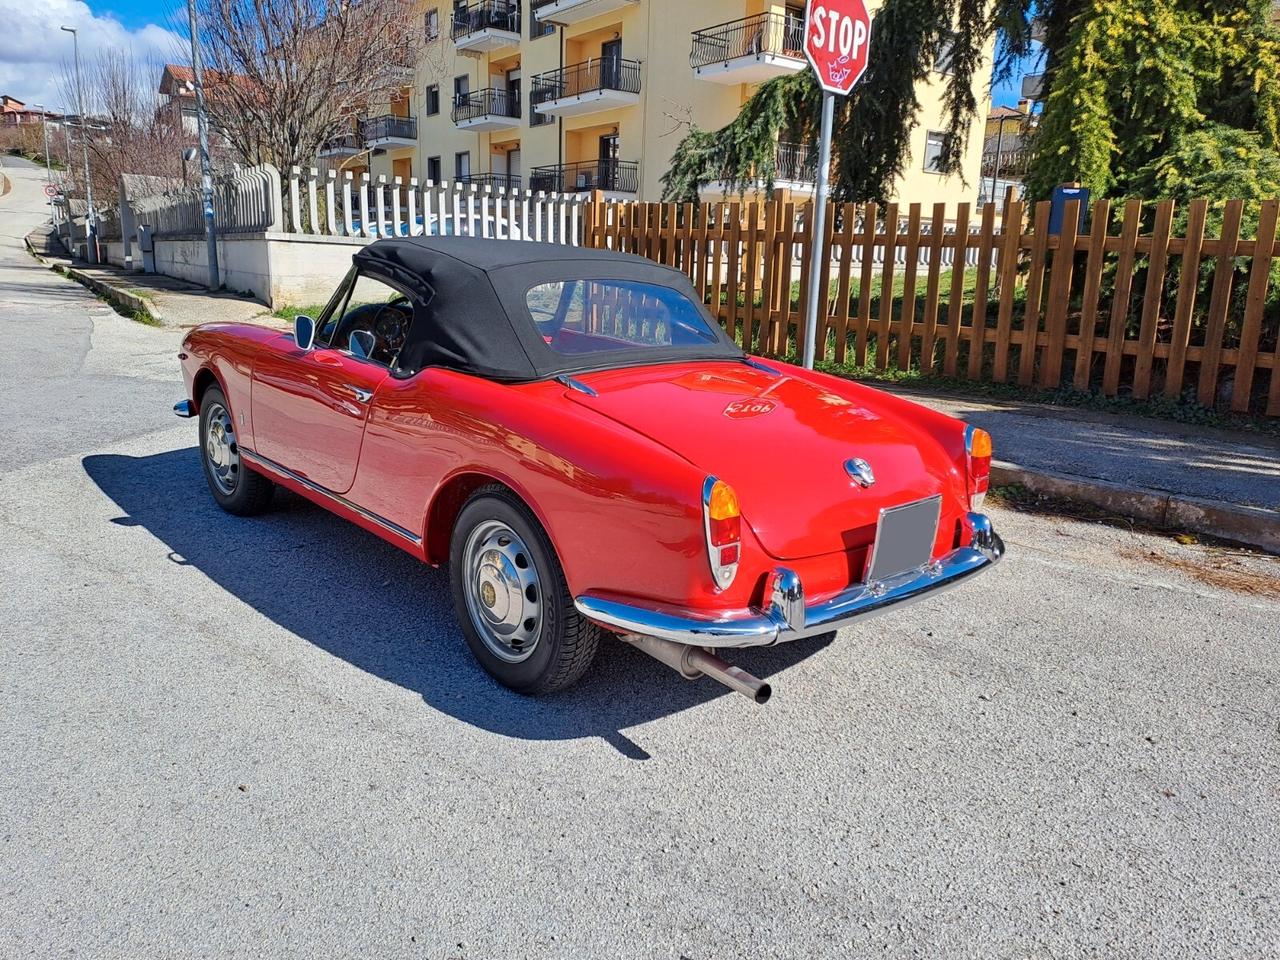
(471, 313)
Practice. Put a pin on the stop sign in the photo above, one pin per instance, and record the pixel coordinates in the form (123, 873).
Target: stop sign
(836, 36)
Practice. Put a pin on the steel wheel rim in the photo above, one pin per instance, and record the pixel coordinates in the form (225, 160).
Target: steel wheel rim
(221, 452)
(503, 591)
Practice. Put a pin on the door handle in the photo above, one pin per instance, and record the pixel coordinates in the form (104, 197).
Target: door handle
(364, 396)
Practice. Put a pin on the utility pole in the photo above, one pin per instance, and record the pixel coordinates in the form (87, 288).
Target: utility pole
(206, 168)
(44, 129)
(90, 222)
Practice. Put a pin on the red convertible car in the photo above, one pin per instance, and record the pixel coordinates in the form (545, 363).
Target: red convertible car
(573, 433)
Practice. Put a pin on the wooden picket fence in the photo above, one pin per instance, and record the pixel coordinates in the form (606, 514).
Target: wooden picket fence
(1120, 306)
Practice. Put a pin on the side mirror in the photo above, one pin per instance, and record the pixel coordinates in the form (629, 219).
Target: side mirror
(304, 332)
(361, 343)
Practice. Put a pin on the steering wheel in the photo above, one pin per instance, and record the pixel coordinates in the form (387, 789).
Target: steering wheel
(391, 327)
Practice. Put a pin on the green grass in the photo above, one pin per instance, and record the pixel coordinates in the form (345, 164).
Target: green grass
(289, 311)
(140, 292)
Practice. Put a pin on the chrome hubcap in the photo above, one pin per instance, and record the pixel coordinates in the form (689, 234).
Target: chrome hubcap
(504, 596)
(221, 452)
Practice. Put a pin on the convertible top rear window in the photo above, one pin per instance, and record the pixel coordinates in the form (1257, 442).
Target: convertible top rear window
(576, 317)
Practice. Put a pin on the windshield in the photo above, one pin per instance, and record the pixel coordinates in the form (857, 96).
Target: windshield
(576, 317)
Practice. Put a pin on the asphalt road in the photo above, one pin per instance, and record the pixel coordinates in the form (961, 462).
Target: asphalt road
(224, 737)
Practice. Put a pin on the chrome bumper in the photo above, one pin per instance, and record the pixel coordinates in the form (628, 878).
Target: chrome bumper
(184, 408)
(788, 617)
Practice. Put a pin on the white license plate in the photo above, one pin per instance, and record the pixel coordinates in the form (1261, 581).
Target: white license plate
(904, 538)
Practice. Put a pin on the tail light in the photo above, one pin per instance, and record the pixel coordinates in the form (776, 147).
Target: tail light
(722, 520)
(977, 447)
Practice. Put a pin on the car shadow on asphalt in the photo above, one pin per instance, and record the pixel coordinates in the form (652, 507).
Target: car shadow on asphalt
(362, 599)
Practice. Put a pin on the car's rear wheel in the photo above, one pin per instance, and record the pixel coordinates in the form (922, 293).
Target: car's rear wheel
(236, 488)
(511, 597)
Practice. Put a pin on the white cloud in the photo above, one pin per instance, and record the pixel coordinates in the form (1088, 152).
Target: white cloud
(33, 50)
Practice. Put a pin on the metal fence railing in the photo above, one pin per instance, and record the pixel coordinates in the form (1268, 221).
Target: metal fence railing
(619, 176)
(387, 127)
(489, 102)
(485, 15)
(606, 73)
(247, 201)
(774, 32)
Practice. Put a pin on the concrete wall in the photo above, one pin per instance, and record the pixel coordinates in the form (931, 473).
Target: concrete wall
(280, 269)
(114, 252)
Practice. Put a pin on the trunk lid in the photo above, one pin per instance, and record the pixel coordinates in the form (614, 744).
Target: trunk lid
(782, 443)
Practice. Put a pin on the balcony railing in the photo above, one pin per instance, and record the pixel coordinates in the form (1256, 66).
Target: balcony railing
(795, 163)
(489, 102)
(607, 73)
(619, 176)
(345, 143)
(502, 181)
(775, 33)
(389, 127)
(486, 15)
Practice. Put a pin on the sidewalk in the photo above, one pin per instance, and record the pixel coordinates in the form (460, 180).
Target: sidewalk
(1178, 476)
(164, 300)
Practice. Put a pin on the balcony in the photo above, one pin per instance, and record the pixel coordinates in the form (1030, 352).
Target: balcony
(486, 25)
(587, 87)
(611, 176)
(497, 181)
(571, 11)
(749, 50)
(346, 145)
(486, 110)
(389, 131)
(795, 168)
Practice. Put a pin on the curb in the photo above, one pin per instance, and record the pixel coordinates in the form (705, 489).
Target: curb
(1254, 526)
(121, 298)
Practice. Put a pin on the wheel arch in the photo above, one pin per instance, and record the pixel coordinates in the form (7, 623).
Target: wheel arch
(203, 380)
(449, 499)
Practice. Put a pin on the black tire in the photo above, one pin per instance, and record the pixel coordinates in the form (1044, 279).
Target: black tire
(235, 487)
(560, 647)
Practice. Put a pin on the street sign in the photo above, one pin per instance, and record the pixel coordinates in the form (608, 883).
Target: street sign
(836, 36)
(50, 190)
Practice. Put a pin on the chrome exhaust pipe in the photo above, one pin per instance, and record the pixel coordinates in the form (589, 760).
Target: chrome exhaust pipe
(694, 662)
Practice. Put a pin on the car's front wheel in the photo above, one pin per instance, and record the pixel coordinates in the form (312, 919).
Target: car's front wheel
(237, 489)
(511, 597)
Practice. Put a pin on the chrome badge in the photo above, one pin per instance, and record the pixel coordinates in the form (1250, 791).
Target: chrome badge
(860, 470)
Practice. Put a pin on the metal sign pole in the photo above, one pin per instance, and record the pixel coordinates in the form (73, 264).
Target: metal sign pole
(819, 231)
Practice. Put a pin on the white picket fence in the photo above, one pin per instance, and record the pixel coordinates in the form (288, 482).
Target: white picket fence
(330, 205)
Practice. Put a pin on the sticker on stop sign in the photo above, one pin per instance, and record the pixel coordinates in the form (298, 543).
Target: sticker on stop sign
(837, 34)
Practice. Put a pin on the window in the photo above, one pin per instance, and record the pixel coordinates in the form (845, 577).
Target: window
(433, 169)
(379, 310)
(576, 317)
(537, 119)
(462, 164)
(433, 99)
(539, 28)
(432, 23)
(945, 57)
(935, 144)
(461, 87)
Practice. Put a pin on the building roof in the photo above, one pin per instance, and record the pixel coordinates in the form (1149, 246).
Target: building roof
(471, 314)
(176, 76)
(1004, 112)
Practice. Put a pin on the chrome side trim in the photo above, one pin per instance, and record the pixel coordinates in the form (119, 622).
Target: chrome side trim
(184, 408)
(788, 618)
(578, 385)
(330, 495)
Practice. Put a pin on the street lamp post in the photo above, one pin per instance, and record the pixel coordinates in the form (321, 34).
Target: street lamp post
(90, 224)
(206, 168)
(44, 129)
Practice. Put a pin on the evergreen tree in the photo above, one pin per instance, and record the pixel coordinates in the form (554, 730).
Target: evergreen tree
(1159, 98)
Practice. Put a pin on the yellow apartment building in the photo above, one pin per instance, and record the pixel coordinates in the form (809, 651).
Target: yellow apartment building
(578, 95)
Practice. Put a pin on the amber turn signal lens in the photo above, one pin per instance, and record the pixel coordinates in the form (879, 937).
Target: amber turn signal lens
(723, 502)
(980, 445)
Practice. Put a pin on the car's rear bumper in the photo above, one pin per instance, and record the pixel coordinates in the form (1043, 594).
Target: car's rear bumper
(788, 617)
